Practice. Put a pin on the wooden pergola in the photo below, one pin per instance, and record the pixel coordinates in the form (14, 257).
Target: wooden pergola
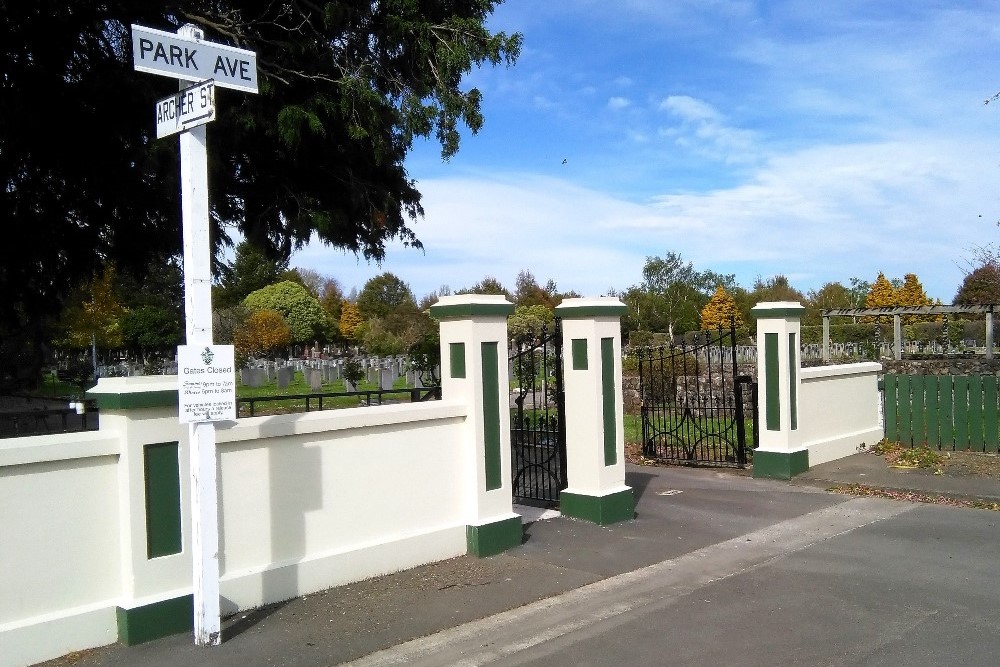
(897, 328)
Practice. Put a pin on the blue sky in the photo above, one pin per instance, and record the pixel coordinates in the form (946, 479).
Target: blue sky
(816, 140)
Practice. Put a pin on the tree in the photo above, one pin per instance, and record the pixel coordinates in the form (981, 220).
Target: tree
(776, 288)
(96, 319)
(150, 330)
(527, 321)
(981, 286)
(252, 269)
(300, 309)
(528, 292)
(828, 297)
(881, 294)
(720, 310)
(912, 293)
(350, 320)
(675, 293)
(264, 333)
(488, 285)
(385, 294)
(345, 90)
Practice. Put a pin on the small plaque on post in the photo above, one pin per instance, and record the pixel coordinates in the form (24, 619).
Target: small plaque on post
(206, 383)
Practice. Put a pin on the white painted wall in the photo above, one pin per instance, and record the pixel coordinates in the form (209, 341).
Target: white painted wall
(307, 501)
(59, 566)
(839, 410)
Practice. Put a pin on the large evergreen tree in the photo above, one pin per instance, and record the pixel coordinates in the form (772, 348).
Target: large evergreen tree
(345, 88)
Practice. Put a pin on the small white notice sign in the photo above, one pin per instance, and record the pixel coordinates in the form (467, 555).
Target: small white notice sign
(206, 383)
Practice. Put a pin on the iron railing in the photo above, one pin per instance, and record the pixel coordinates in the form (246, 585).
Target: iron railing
(51, 420)
(247, 407)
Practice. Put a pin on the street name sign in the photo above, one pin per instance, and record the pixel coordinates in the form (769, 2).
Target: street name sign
(185, 109)
(168, 54)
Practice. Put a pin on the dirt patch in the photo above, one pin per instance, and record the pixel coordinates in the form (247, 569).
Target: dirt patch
(970, 464)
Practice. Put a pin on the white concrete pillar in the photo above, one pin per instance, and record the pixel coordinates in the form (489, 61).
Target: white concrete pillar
(595, 434)
(780, 453)
(474, 369)
(154, 495)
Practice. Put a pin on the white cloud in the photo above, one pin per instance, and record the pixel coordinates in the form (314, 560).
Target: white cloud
(704, 131)
(618, 103)
(822, 214)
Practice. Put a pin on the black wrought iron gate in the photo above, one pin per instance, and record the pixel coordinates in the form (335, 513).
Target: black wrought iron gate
(696, 408)
(537, 411)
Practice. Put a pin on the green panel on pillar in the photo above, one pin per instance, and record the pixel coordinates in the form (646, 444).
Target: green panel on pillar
(579, 348)
(608, 401)
(491, 415)
(493, 538)
(793, 370)
(780, 465)
(161, 468)
(156, 620)
(772, 397)
(602, 510)
(456, 357)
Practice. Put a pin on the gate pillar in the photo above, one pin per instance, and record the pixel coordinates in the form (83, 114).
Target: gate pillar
(594, 419)
(474, 369)
(780, 453)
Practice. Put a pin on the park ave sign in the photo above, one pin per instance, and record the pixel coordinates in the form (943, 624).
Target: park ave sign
(167, 54)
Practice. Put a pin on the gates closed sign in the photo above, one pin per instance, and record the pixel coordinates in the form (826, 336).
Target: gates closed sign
(206, 383)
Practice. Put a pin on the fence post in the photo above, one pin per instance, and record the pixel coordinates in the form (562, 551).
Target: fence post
(474, 369)
(779, 453)
(594, 419)
(153, 495)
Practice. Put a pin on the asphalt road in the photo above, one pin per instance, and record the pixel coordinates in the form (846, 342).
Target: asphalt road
(863, 582)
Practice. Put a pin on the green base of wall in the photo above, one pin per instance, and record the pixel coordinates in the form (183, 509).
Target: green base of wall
(493, 538)
(602, 510)
(153, 621)
(779, 465)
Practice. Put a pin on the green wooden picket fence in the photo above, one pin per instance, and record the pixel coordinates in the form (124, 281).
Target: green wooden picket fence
(956, 412)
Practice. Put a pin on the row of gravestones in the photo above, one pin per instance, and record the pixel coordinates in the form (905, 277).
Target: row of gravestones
(383, 372)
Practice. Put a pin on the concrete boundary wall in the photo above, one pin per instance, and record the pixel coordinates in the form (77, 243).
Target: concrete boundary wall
(808, 416)
(96, 526)
(307, 501)
(839, 410)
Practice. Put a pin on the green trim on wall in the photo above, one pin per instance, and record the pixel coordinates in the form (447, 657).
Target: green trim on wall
(793, 369)
(608, 401)
(777, 313)
(580, 312)
(153, 621)
(135, 400)
(772, 398)
(471, 310)
(780, 465)
(493, 538)
(456, 356)
(491, 415)
(161, 469)
(602, 510)
(579, 348)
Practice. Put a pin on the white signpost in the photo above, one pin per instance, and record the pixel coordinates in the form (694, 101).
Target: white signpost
(186, 57)
(185, 109)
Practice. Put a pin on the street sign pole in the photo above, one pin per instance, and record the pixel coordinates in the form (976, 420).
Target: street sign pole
(198, 320)
(186, 57)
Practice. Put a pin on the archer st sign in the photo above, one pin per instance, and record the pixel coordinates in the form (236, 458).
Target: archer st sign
(168, 54)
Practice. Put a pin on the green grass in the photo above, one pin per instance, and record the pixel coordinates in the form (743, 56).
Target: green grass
(298, 385)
